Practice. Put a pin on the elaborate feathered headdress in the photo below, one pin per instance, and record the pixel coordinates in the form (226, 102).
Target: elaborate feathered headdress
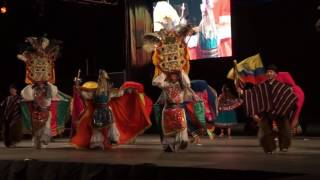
(39, 57)
(170, 50)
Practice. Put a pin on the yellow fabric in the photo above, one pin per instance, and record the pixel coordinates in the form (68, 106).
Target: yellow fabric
(155, 61)
(236, 74)
(250, 63)
(141, 95)
(89, 85)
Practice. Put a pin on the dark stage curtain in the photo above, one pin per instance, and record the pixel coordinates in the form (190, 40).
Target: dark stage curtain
(139, 22)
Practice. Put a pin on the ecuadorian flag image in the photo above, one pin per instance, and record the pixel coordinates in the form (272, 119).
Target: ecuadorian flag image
(249, 70)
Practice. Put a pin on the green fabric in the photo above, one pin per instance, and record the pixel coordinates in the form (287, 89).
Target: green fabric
(65, 96)
(63, 113)
(199, 112)
(226, 118)
(26, 117)
(100, 99)
(157, 113)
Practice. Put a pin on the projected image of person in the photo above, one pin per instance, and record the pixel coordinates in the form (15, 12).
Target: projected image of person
(181, 13)
(208, 36)
(213, 29)
(218, 14)
(222, 16)
(163, 11)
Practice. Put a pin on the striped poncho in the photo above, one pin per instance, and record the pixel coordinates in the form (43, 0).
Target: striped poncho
(10, 115)
(270, 96)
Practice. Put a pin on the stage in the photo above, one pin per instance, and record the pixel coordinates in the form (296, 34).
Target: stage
(239, 157)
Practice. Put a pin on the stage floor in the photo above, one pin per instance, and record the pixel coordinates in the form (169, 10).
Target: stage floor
(239, 153)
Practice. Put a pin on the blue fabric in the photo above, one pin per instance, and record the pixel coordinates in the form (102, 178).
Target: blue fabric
(226, 118)
(102, 115)
(212, 98)
(256, 72)
(100, 99)
(199, 85)
(208, 44)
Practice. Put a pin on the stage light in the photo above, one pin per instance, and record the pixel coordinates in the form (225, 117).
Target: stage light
(3, 7)
(3, 10)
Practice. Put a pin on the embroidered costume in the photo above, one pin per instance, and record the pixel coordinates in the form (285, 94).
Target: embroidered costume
(42, 102)
(105, 119)
(171, 60)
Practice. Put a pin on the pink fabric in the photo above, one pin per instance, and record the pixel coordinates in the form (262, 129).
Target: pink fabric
(54, 120)
(193, 53)
(131, 84)
(223, 8)
(225, 47)
(286, 78)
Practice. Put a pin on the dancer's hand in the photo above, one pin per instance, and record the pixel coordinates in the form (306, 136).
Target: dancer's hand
(256, 118)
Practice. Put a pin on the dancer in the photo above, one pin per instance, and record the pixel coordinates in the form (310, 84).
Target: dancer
(227, 115)
(268, 101)
(105, 119)
(40, 93)
(11, 118)
(208, 96)
(171, 60)
(174, 121)
(96, 127)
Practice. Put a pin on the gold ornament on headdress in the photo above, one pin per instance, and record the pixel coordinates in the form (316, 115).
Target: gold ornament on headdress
(171, 54)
